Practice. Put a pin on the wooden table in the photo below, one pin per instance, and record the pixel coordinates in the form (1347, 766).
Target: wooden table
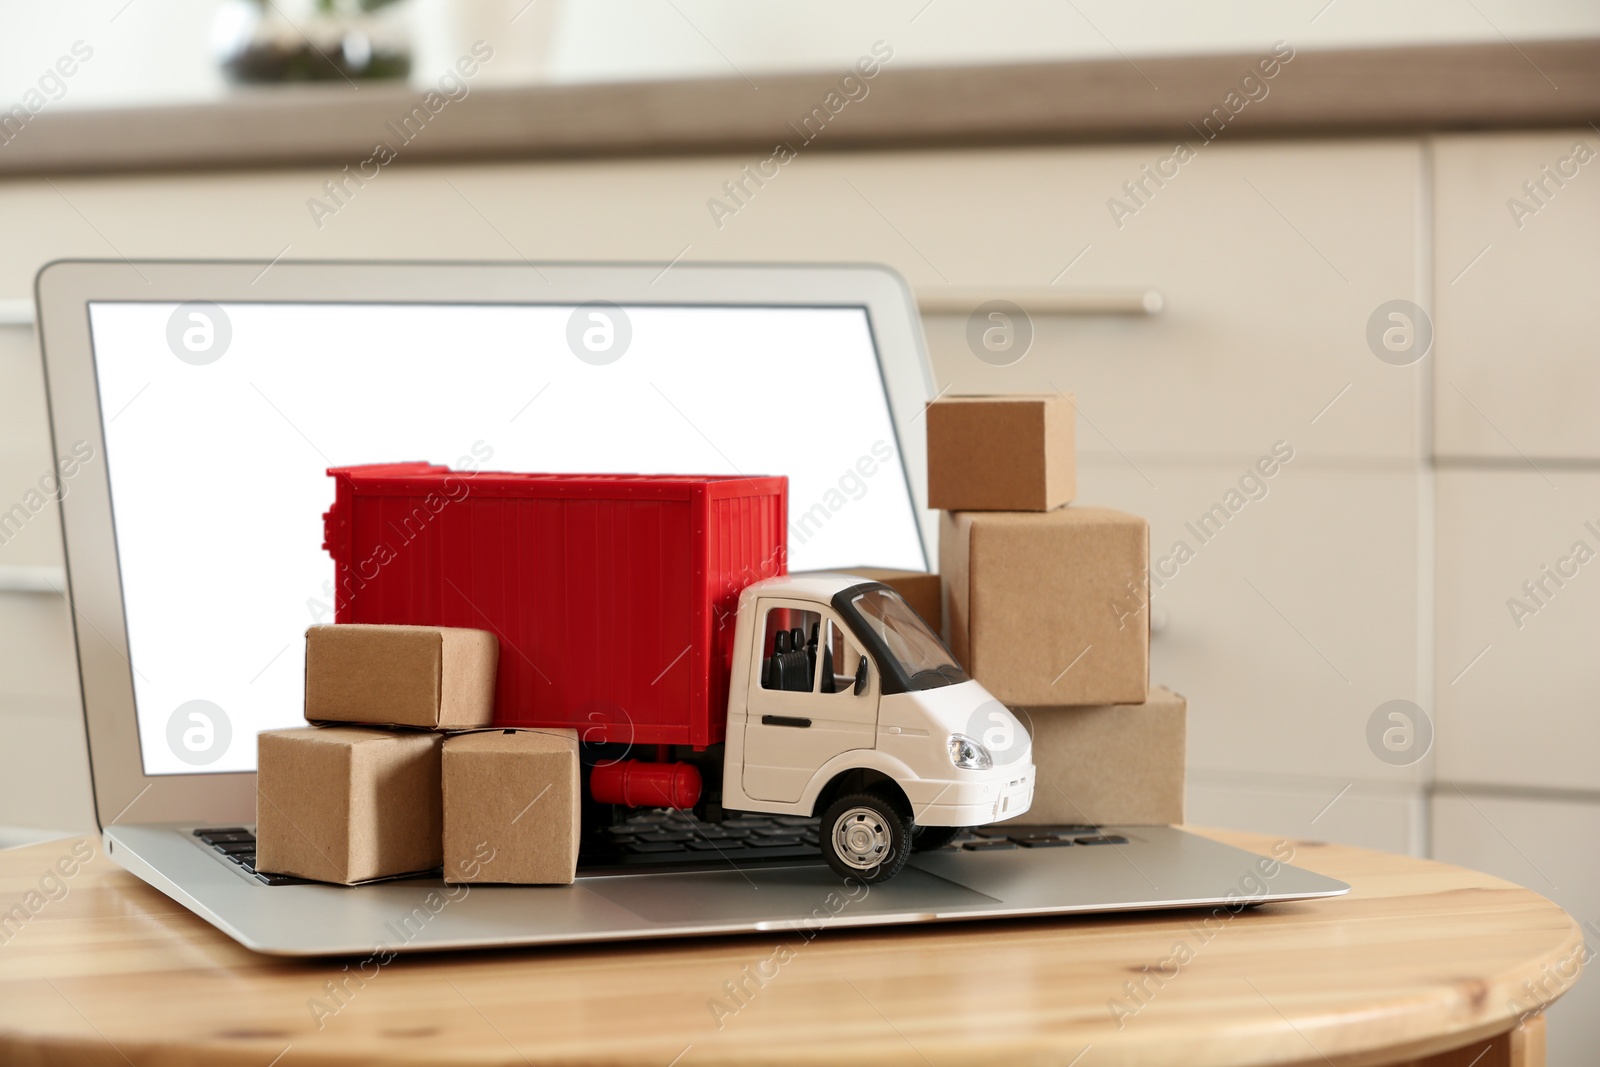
(1420, 959)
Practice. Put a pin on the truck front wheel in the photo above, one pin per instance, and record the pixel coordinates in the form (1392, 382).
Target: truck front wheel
(865, 837)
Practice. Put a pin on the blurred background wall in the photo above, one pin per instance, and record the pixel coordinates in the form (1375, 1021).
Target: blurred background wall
(160, 51)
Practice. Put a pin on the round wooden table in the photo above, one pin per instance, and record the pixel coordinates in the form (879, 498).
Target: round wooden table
(1421, 964)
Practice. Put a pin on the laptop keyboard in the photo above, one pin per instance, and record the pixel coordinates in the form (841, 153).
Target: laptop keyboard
(651, 838)
(989, 838)
(237, 845)
(655, 837)
(659, 838)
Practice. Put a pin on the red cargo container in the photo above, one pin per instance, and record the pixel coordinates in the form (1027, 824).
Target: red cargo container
(614, 596)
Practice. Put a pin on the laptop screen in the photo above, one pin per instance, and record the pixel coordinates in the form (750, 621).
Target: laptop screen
(220, 422)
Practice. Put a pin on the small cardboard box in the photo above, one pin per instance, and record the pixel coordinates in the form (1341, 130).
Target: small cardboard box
(512, 807)
(1001, 453)
(347, 804)
(1109, 764)
(433, 677)
(1049, 608)
(918, 588)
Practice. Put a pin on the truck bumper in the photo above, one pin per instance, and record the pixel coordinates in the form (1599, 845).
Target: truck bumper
(967, 803)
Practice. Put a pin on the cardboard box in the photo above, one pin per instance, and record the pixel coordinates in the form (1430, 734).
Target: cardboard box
(919, 588)
(1001, 453)
(433, 677)
(512, 807)
(347, 804)
(1109, 764)
(1049, 608)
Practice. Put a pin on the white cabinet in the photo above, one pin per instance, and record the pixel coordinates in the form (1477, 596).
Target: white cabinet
(30, 536)
(37, 672)
(44, 768)
(1517, 271)
(1516, 391)
(1293, 621)
(1548, 846)
(1270, 258)
(44, 765)
(1389, 819)
(1517, 673)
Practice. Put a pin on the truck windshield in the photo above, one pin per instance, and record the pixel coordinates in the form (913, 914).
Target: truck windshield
(921, 657)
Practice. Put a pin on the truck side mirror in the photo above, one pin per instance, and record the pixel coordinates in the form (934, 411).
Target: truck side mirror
(861, 676)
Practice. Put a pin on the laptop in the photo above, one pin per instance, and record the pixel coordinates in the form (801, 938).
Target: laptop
(195, 408)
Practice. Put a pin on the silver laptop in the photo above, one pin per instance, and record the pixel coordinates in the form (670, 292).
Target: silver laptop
(195, 407)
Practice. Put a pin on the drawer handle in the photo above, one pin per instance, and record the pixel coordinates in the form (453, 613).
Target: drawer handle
(16, 312)
(33, 578)
(1045, 301)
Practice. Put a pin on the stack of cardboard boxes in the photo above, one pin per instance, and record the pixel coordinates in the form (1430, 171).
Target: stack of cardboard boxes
(401, 772)
(1042, 601)
(1045, 603)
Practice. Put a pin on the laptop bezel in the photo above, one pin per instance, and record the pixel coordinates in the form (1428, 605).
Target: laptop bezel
(64, 289)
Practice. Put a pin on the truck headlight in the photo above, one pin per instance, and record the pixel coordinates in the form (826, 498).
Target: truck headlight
(969, 755)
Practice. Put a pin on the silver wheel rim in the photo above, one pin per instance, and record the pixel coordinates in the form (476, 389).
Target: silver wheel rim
(862, 838)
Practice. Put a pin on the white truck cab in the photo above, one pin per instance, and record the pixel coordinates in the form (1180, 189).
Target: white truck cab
(843, 704)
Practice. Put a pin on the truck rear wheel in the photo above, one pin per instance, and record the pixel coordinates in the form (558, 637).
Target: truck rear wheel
(865, 837)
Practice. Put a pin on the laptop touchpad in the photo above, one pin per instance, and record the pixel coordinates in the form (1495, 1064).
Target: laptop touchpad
(781, 897)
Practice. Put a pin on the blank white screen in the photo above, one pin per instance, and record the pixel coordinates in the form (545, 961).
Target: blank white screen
(218, 471)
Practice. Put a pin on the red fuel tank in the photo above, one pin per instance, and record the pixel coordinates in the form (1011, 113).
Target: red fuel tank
(637, 784)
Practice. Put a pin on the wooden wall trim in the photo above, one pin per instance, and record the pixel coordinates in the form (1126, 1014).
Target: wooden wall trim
(1331, 92)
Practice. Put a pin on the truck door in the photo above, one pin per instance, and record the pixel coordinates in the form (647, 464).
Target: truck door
(803, 707)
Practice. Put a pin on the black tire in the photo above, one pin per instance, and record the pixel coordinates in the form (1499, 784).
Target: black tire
(865, 837)
(928, 838)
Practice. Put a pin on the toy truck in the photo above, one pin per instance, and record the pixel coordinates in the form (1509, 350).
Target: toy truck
(655, 615)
